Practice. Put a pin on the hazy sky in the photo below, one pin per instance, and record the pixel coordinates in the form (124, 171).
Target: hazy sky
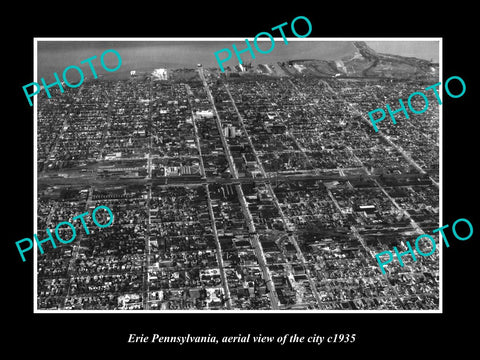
(427, 50)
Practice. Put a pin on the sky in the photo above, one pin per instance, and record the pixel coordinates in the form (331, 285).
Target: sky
(428, 50)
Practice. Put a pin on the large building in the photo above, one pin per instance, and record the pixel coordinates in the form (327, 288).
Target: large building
(160, 74)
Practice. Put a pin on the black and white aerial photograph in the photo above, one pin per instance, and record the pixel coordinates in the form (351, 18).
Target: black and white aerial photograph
(215, 180)
(263, 187)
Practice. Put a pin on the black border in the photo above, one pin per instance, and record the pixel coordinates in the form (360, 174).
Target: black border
(377, 334)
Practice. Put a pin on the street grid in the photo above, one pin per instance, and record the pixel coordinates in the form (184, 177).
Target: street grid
(244, 230)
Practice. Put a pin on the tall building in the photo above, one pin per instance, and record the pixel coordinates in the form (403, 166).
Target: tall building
(229, 131)
(160, 74)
